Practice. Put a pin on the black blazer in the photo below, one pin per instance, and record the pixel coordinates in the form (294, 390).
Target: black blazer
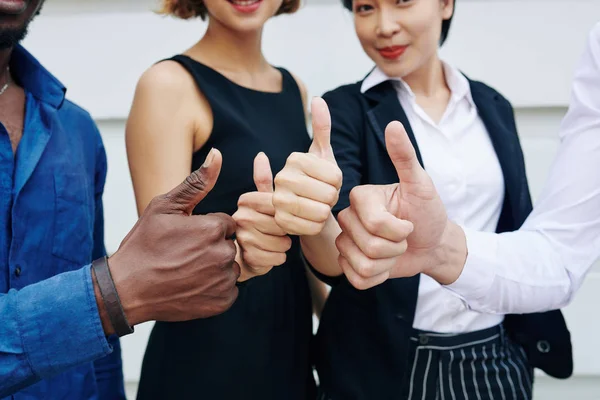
(362, 344)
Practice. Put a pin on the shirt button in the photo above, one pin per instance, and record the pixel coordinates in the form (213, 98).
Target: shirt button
(18, 271)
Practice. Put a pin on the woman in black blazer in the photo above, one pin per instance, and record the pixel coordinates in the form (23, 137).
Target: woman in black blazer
(412, 338)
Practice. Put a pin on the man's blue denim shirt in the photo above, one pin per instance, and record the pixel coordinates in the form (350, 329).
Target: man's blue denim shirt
(51, 228)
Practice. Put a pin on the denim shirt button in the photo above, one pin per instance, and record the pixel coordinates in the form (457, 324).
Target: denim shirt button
(18, 271)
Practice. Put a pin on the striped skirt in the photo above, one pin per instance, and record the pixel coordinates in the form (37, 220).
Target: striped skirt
(479, 365)
(482, 365)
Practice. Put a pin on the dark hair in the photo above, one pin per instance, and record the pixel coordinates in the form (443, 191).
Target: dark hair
(445, 23)
(186, 9)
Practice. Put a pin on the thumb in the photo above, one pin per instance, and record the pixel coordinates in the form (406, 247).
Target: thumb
(185, 197)
(402, 153)
(263, 177)
(321, 126)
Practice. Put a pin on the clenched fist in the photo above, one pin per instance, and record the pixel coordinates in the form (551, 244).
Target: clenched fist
(263, 244)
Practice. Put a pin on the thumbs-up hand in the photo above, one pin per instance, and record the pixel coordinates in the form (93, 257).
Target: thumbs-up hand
(392, 231)
(309, 185)
(263, 244)
(174, 266)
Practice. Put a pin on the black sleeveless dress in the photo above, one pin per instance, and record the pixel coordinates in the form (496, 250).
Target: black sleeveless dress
(258, 349)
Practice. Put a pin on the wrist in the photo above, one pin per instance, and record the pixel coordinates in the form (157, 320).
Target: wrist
(106, 324)
(110, 297)
(449, 256)
(133, 306)
(320, 251)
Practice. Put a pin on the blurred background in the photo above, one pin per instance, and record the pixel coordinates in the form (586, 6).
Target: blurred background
(526, 49)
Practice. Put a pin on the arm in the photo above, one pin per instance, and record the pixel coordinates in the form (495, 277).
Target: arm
(542, 265)
(109, 370)
(47, 328)
(169, 120)
(53, 325)
(161, 131)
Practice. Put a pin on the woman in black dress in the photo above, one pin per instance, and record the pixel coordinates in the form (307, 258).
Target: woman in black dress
(222, 93)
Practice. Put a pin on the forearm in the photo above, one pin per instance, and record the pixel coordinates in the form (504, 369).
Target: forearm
(515, 272)
(49, 327)
(320, 250)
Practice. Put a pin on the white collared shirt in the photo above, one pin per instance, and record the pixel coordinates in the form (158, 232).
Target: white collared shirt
(541, 266)
(458, 155)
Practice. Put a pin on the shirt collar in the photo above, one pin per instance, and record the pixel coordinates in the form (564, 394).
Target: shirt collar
(35, 78)
(457, 82)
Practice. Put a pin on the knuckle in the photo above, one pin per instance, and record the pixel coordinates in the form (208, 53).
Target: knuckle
(279, 200)
(314, 229)
(280, 259)
(339, 243)
(260, 271)
(250, 258)
(280, 245)
(374, 223)
(226, 285)
(403, 247)
(296, 158)
(238, 216)
(195, 182)
(284, 178)
(322, 213)
(372, 248)
(366, 269)
(331, 197)
(355, 194)
(242, 217)
(281, 220)
(227, 254)
(244, 199)
(229, 299)
(156, 202)
(343, 215)
(338, 177)
(279, 180)
(213, 224)
(287, 243)
(242, 236)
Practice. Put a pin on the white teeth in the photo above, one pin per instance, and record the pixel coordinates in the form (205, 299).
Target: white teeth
(244, 3)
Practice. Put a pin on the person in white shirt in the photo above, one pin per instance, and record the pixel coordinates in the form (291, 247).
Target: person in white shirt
(411, 337)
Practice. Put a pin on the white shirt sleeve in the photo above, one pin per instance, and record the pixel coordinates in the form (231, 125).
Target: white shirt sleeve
(540, 267)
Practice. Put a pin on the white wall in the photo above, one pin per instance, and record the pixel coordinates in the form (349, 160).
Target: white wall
(525, 48)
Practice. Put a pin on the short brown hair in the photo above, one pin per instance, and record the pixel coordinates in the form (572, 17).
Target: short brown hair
(186, 9)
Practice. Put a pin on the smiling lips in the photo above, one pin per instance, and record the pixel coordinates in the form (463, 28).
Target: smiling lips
(392, 52)
(244, 6)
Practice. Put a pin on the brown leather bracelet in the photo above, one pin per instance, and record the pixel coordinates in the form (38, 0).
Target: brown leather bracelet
(112, 303)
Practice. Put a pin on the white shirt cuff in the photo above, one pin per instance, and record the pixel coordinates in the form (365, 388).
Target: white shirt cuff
(479, 271)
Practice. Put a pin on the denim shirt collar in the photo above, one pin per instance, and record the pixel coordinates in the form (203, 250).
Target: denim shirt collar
(36, 79)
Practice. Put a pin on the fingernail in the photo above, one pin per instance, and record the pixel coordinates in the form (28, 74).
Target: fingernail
(209, 158)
